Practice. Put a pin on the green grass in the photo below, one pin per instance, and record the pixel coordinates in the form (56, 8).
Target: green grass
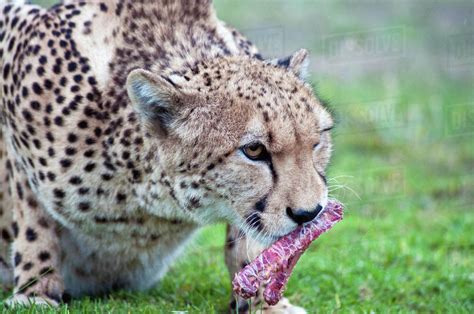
(406, 243)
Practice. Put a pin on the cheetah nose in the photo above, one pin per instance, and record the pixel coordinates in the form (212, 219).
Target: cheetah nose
(300, 216)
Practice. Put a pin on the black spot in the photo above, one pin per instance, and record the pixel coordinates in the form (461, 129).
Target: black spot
(77, 78)
(17, 259)
(89, 167)
(58, 121)
(37, 89)
(265, 116)
(44, 256)
(56, 69)
(51, 151)
(65, 163)
(82, 124)
(72, 138)
(58, 193)
(103, 7)
(72, 66)
(90, 141)
(48, 84)
(6, 71)
(83, 206)
(7, 9)
(15, 229)
(27, 115)
(106, 177)
(70, 151)
(27, 266)
(121, 197)
(63, 81)
(24, 92)
(43, 161)
(19, 190)
(89, 153)
(83, 191)
(35, 105)
(43, 60)
(75, 180)
(16, 280)
(92, 80)
(51, 176)
(30, 234)
(43, 222)
(6, 235)
(46, 271)
(60, 99)
(126, 155)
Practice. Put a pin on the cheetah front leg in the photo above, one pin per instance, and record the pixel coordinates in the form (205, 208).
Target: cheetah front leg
(35, 251)
(6, 233)
(239, 251)
(6, 236)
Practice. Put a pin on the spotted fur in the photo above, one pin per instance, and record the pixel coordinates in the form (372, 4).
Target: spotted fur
(122, 123)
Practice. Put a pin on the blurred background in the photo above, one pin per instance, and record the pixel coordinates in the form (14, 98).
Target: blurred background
(399, 77)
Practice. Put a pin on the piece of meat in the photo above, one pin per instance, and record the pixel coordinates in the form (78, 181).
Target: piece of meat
(274, 265)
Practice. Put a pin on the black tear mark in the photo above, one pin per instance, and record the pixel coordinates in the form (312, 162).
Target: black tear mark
(261, 204)
(272, 170)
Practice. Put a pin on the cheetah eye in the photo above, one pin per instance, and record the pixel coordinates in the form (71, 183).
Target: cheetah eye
(255, 151)
(316, 145)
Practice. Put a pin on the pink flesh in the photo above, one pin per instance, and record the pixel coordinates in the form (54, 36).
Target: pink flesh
(274, 265)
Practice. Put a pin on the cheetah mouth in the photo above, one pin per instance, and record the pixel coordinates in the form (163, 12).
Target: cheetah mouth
(273, 267)
(257, 230)
(262, 236)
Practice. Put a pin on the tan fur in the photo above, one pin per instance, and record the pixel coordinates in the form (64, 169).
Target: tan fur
(123, 123)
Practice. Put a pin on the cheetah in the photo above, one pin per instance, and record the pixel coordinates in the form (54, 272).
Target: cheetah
(126, 126)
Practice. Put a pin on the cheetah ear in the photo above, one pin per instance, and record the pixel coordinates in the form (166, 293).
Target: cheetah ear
(154, 98)
(298, 63)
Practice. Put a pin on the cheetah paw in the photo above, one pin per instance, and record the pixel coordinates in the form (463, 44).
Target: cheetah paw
(21, 300)
(283, 307)
(258, 307)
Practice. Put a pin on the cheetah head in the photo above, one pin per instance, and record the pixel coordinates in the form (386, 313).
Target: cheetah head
(242, 140)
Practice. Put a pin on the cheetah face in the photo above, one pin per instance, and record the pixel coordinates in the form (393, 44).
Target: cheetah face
(244, 141)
